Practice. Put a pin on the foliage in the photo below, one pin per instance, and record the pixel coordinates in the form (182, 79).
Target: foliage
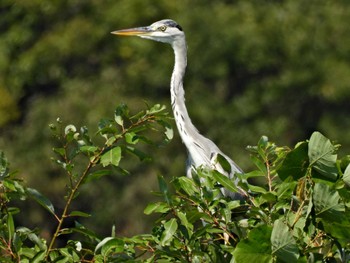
(84, 159)
(300, 212)
(297, 209)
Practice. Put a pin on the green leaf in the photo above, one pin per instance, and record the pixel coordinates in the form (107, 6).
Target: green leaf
(10, 226)
(331, 211)
(253, 174)
(119, 120)
(201, 231)
(68, 255)
(169, 132)
(89, 149)
(186, 184)
(121, 112)
(296, 163)
(110, 245)
(255, 248)
(259, 163)
(60, 151)
(42, 200)
(194, 215)
(14, 186)
(285, 189)
(111, 140)
(3, 166)
(23, 233)
(170, 228)
(156, 109)
(39, 257)
(224, 163)
(326, 201)
(106, 126)
(79, 213)
(96, 175)
(26, 253)
(269, 197)
(339, 228)
(164, 188)
(185, 222)
(346, 176)
(283, 243)
(162, 185)
(30, 234)
(226, 182)
(257, 189)
(263, 142)
(322, 156)
(131, 138)
(79, 228)
(213, 230)
(141, 155)
(159, 207)
(112, 157)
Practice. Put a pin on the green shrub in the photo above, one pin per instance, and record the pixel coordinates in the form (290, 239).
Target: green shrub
(297, 209)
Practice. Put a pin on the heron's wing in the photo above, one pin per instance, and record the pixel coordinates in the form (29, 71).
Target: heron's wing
(200, 152)
(203, 152)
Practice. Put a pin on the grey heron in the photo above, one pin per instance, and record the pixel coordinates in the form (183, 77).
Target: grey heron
(202, 152)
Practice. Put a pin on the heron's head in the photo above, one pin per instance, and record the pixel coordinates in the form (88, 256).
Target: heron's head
(167, 31)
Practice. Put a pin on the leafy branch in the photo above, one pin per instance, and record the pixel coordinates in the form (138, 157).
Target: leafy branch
(75, 143)
(297, 209)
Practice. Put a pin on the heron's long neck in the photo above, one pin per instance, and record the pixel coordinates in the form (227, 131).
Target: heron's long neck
(183, 121)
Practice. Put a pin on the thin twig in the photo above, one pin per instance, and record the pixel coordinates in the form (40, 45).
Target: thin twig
(92, 162)
(66, 207)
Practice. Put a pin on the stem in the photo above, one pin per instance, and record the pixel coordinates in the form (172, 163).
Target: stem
(75, 188)
(68, 162)
(69, 201)
(215, 220)
(269, 179)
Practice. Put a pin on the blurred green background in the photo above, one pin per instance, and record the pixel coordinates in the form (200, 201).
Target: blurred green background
(275, 68)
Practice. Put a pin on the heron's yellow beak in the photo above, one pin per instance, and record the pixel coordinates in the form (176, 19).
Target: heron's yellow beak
(137, 31)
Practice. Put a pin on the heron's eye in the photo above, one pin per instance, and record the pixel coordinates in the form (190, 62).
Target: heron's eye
(162, 28)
